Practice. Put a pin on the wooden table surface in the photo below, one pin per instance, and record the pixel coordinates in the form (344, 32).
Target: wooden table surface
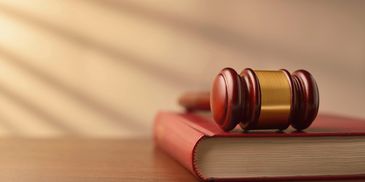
(87, 160)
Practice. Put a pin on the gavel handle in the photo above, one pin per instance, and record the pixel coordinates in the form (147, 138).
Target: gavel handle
(193, 101)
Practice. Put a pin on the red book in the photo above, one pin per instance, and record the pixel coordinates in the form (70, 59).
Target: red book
(332, 148)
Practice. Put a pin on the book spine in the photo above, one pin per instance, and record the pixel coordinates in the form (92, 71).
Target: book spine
(175, 137)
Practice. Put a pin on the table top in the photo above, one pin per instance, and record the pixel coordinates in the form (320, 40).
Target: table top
(70, 159)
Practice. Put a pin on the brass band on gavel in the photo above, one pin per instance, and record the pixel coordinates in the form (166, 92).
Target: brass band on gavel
(259, 99)
(275, 89)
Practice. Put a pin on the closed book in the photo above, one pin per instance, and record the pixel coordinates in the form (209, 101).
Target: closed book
(332, 148)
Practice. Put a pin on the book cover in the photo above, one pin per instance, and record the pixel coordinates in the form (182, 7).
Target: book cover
(178, 134)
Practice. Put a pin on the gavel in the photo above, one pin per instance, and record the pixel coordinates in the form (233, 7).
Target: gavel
(258, 99)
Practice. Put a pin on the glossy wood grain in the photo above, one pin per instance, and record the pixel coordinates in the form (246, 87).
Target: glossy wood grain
(306, 99)
(195, 101)
(86, 160)
(227, 98)
(291, 99)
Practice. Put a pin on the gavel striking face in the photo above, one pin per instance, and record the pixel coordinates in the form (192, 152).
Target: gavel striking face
(258, 99)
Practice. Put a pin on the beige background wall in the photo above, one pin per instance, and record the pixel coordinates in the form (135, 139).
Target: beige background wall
(104, 68)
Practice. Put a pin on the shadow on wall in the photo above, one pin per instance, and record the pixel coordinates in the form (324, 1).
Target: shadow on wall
(202, 42)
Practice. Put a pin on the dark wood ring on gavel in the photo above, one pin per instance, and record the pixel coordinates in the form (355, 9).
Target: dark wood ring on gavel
(259, 99)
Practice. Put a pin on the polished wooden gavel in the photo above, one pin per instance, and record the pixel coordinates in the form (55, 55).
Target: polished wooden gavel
(258, 99)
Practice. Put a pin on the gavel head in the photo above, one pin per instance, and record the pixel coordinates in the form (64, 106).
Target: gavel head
(258, 99)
